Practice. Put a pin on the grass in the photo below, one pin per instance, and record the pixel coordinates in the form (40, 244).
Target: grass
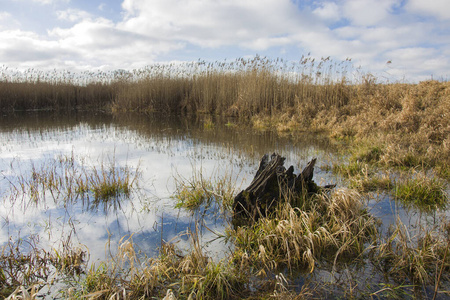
(393, 124)
(65, 179)
(326, 226)
(200, 192)
(37, 267)
(363, 177)
(185, 275)
(326, 231)
(416, 259)
(425, 192)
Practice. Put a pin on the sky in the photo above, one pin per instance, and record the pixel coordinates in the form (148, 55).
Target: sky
(396, 40)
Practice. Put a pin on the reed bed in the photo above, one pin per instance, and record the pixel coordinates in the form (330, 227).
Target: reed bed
(406, 124)
(242, 87)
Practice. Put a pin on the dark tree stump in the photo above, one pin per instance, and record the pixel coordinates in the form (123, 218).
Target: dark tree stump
(269, 186)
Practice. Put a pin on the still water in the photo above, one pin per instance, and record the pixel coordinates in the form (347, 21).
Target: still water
(157, 150)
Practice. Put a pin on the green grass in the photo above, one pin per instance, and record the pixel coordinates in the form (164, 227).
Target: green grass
(363, 177)
(423, 192)
(198, 191)
(65, 179)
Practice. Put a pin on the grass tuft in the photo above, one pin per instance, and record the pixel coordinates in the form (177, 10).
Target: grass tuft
(423, 192)
(327, 226)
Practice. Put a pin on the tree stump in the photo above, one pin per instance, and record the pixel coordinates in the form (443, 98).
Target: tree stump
(270, 185)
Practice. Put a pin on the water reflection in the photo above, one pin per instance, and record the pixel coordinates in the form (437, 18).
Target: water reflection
(159, 147)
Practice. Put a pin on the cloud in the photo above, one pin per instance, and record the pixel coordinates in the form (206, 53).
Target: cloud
(100, 42)
(73, 15)
(7, 21)
(368, 12)
(422, 63)
(20, 46)
(368, 31)
(328, 11)
(102, 6)
(214, 23)
(435, 8)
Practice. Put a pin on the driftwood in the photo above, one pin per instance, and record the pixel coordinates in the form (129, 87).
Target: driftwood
(271, 184)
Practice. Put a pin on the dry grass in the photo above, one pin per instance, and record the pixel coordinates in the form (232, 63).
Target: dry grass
(325, 227)
(23, 273)
(420, 259)
(185, 276)
(394, 125)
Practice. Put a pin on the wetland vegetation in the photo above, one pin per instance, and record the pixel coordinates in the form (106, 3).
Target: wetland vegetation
(383, 232)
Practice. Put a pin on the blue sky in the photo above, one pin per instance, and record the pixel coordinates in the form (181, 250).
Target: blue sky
(414, 35)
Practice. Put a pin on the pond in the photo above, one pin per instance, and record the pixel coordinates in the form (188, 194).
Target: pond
(158, 150)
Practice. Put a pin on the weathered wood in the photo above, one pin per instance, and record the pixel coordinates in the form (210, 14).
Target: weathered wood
(270, 183)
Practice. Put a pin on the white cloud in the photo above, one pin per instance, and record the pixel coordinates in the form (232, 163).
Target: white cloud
(435, 8)
(328, 11)
(368, 31)
(213, 23)
(7, 21)
(73, 15)
(423, 62)
(99, 41)
(21, 45)
(102, 6)
(46, 2)
(368, 12)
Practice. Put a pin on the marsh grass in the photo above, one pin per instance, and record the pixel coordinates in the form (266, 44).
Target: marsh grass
(417, 259)
(363, 177)
(184, 275)
(398, 125)
(24, 272)
(64, 179)
(332, 227)
(199, 192)
(422, 191)
(401, 126)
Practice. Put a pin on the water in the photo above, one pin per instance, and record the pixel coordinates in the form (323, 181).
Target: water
(160, 149)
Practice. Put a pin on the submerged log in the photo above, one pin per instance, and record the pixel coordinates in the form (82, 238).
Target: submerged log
(273, 183)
